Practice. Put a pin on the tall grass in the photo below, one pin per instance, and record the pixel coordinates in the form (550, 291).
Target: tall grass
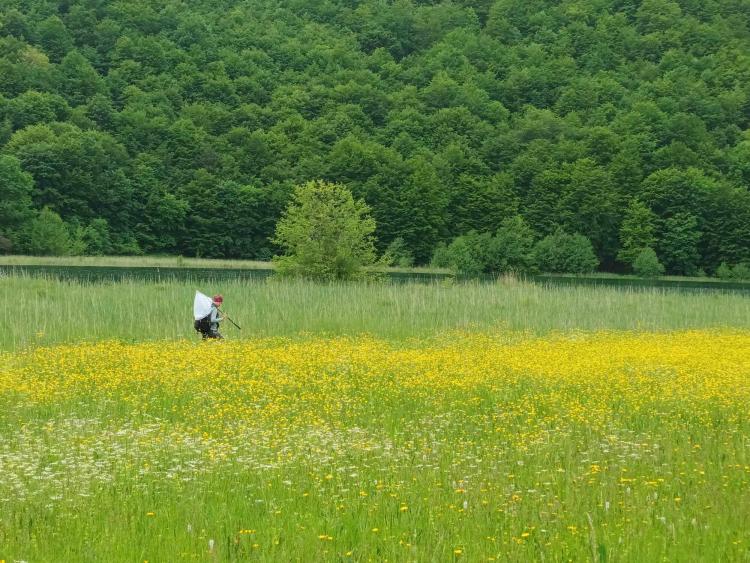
(132, 262)
(167, 262)
(39, 311)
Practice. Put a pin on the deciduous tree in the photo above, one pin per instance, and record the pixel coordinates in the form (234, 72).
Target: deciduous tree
(325, 234)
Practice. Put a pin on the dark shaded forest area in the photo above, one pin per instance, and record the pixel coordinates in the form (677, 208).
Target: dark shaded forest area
(181, 127)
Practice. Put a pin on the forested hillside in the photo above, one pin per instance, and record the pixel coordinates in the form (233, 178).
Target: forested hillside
(182, 126)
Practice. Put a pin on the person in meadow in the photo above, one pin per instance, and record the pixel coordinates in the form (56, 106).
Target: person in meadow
(207, 316)
(215, 318)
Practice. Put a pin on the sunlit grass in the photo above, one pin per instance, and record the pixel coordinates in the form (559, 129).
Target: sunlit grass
(498, 446)
(45, 311)
(132, 262)
(427, 422)
(168, 262)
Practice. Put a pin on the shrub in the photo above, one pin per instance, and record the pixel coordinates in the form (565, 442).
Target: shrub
(97, 238)
(468, 254)
(564, 253)
(441, 257)
(741, 271)
(397, 254)
(724, 272)
(48, 235)
(264, 254)
(77, 244)
(647, 264)
(126, 245)
(511, 249)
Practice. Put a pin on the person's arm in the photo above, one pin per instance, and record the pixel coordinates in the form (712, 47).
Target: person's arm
(215, 317)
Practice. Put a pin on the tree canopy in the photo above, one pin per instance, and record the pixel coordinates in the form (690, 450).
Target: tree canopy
(182, 127)
(326, 235)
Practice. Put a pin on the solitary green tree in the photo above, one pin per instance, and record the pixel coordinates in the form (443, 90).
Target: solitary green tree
(326, 235)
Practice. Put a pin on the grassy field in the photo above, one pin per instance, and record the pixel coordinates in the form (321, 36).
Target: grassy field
(45, 311)
(131, 262)
(187, 263)
(495, 447)
(165, 262)
(351, 422)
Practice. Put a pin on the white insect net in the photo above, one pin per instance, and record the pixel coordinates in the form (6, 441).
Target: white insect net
(201, 305)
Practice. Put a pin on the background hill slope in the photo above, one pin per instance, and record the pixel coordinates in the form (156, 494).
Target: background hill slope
(181, 128)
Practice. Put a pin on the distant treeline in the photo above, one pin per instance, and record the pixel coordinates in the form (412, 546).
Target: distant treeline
(181, 127)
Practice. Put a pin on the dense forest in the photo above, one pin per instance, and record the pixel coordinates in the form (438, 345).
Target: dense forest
(182, 127)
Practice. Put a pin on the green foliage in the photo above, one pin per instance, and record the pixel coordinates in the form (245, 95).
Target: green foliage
(15, 196)
(33, 107)
(393, 311)
(468, 254)
(96, 238)
(637, 232)
(740, 272)
(325, 233)
(78, 173)
(185, 126)
(6, 245)
(54, 38)
(566, 254)
(441, 257)
(647, 265)
(398, 254)
(679, 244)
(579, 197)
(724, 271)
(511, 249)
(48, 235)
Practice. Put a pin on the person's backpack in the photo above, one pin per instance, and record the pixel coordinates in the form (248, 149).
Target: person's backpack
(203, 325)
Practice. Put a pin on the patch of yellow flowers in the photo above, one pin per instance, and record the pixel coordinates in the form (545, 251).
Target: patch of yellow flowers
(504, 433)
(309, 378)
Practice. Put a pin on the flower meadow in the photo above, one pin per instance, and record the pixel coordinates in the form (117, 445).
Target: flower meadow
(475, 446)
